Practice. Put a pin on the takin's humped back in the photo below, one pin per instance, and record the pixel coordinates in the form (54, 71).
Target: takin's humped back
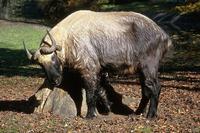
(93, 43)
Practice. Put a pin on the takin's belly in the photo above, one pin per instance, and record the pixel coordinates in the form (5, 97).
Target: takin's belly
(123, 69)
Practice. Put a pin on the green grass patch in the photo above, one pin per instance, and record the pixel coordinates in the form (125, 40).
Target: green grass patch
(11, 37)
(13, 59)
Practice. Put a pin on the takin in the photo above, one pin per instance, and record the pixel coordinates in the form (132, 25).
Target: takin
(95, 43)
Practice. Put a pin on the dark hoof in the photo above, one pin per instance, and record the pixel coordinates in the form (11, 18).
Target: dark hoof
(151, 116)
(91, 116)
(104, 107)
(106, 111)
(140, 112)
(108, 107)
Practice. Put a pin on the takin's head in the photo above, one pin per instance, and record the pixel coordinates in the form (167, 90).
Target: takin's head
(46, 57)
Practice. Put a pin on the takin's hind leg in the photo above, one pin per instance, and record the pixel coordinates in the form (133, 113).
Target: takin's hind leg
(150, 88)
(103, 100)
(102, 93)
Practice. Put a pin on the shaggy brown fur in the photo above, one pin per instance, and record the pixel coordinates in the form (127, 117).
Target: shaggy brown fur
(113, 42)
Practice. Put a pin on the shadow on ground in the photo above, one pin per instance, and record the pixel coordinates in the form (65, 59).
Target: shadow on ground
(73, 84)
(73, 80)
(17, 106)
(15, 63)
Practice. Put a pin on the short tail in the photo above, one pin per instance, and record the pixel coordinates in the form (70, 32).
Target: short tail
(168, 49)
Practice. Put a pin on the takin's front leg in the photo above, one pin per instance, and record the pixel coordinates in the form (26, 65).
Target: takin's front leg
(91, 84)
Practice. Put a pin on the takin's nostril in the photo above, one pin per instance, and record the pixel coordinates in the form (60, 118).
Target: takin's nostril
(56, 81)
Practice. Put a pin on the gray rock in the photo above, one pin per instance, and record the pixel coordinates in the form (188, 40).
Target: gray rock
(57, 101)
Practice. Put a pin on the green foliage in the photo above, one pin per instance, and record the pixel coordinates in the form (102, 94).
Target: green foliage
(189, 8)
(186, 50)
(142, 7)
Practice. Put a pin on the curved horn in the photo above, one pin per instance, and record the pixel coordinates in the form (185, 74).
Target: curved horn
(52, 39)
(29, 55)
(53, 47)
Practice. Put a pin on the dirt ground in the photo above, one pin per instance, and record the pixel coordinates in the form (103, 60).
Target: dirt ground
(178, 108)
(178, 111)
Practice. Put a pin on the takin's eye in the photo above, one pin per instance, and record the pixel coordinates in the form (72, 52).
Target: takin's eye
(54, 59)
(55, 62)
